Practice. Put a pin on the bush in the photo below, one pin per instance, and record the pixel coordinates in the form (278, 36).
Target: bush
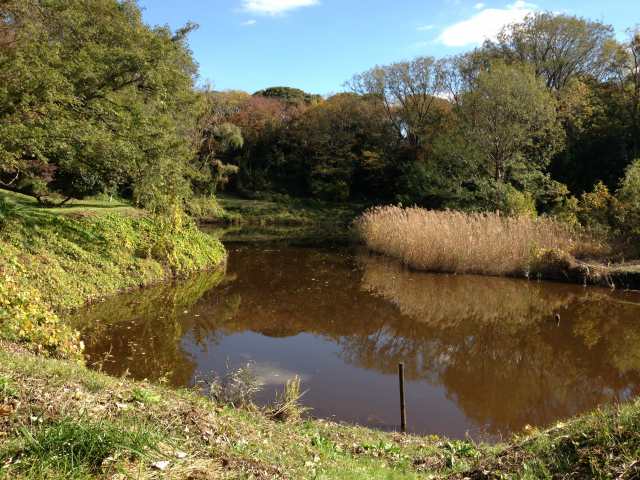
(629, 200)
(205, 208)
(629, 192)
(26, 319)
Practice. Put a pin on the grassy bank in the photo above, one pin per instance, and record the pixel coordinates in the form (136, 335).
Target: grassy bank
(60, 420)
(284, 217)
(491, 244)
(52, 261)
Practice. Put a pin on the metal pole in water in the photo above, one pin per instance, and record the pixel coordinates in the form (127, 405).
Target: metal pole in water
(403, 407)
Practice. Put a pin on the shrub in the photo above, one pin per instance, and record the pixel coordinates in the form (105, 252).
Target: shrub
(629, 192)
(25, 318)
(450, 241)
(629, 197)
(205, 208)
(598, 211)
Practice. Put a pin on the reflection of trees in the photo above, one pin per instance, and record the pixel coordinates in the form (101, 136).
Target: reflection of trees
(494, 345)
(141, 331)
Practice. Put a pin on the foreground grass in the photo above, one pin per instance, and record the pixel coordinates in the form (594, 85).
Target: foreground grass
(61, 420)
(52, 262)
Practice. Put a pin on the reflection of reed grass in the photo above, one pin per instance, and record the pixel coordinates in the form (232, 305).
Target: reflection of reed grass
(483, 243)
(445, 301)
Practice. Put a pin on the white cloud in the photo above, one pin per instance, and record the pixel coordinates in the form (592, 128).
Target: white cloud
(479, 6)
(275, 7)
(425, 28)
(249, 23)
(485, 24)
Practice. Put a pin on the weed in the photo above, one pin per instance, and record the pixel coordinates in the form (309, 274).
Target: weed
(145, 396)
(288, 408)
(7, 389)
(75, 448)
(237, 387)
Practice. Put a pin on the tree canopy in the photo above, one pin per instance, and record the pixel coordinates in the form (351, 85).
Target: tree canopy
(93, 100)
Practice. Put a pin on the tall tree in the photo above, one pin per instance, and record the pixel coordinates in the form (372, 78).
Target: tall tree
(410, 94)
(510, 120)
(91, 98)
(559, 47)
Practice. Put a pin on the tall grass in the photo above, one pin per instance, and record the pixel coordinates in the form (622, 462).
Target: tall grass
(457, 242)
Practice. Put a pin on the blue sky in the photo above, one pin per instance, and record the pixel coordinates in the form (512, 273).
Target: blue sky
(317, 45)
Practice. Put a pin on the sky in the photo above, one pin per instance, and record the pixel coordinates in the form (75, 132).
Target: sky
(317, 45)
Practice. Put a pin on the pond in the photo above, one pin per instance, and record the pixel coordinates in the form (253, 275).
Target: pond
(483, 356)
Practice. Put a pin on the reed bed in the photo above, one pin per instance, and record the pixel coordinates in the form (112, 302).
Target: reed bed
(457, 242)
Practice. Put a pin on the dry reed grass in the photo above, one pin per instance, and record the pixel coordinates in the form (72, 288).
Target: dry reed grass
(457, 242)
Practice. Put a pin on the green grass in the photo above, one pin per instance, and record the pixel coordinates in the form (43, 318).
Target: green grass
(77, 448)
(67, 420)
(52, 262)
(86, 207)
(286, 218)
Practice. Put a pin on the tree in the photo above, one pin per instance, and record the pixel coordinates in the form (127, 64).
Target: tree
(93, 99)
(290, 96)
(559, 47)
(340, 149)
(509, 121)
(409, 92)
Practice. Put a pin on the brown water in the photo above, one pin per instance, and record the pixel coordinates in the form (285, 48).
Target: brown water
(484, 356)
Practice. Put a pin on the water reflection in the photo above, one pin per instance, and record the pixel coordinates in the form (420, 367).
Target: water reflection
(482, 354)
(496, 343)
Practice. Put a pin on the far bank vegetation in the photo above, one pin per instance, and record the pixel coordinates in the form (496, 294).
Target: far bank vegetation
(457, 242)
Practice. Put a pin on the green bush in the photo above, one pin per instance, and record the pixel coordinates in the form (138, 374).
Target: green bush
(205, 208)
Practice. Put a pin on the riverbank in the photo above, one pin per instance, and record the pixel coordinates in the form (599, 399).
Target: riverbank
(58, 259)
(300, 221)
(492, 244)
(61, 420)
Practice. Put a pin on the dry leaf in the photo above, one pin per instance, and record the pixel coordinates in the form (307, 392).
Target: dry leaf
(5, 410)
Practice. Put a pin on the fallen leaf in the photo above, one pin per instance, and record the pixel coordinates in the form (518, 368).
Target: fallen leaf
(5, 410)
(162, 465)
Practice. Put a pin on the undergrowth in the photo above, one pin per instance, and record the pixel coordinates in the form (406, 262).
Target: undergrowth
(62, 420)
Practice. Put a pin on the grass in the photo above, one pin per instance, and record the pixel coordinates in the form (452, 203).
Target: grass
(78, 448)
(285, 217)
(52, 262)
(457, 242)
(66, 421)
(86, 207)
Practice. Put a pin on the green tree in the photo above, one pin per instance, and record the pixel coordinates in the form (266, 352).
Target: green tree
(91, 98)
(510, 122)
(559, 47)
(290, 96)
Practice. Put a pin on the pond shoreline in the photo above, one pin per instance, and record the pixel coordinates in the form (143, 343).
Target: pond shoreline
(65, 394)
